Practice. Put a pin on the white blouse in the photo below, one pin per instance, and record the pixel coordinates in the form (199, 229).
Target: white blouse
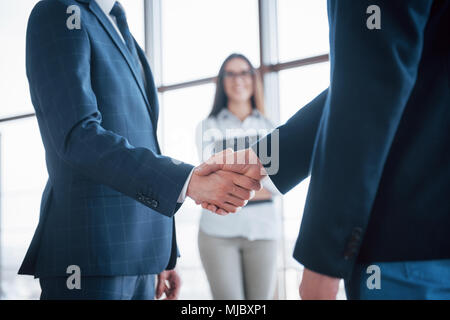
(256, 221)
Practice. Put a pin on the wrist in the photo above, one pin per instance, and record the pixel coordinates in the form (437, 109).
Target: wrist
(191, 191)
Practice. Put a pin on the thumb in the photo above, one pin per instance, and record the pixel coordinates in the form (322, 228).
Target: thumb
(207, 168)
(215, 163)
(161, 286)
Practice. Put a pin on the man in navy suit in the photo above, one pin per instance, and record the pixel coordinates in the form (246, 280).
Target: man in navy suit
(107, 213)
(377, 146)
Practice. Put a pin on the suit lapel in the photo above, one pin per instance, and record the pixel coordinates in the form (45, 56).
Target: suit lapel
(93, 6)
(151, 87)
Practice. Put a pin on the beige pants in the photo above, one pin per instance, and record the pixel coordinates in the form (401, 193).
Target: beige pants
(237, 268)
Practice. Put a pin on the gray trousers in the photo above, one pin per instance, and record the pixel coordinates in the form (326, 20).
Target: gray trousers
(239, 269)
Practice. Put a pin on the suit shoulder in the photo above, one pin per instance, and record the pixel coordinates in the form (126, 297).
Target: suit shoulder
(51, 17)
(51, 10)
(45, 7)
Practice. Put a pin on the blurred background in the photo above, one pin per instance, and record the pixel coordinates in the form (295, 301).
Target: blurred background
(186, 41)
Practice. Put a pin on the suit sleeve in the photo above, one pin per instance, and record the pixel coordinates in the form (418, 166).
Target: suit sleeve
(58, 69)
(373, 73)
(291, 159)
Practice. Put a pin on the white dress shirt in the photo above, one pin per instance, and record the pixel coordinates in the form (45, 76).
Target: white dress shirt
(256, 221)
(106, 6)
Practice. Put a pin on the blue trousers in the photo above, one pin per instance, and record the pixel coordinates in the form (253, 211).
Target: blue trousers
(139, 287)
(409, 280)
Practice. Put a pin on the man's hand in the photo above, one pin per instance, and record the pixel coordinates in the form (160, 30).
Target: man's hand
(169, 283)
(226, 190)
(262, 194)
(244, 162)
(316, 286)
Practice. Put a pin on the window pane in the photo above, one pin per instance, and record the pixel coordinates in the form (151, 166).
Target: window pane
(135, 16)
(181, 112)
(13, 24)
(199, 34)
(303, 29)
(301, 85)
(23, 176)
(297, 87)
(13, 82)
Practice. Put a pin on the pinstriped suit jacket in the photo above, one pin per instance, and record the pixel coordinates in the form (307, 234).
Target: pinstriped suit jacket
(111, 196)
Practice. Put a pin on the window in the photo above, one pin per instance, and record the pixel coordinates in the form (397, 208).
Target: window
(301, 85)
(182, 110)
(197, 35)
(303, 29)
(298, 87)
(135, 16)
(13, 83)
(23, 176)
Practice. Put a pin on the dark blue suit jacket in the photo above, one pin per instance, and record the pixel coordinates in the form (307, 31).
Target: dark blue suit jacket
(377, 142)
(111, 196)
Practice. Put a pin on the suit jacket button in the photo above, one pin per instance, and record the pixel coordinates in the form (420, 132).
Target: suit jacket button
(349, 254)
(154, 204)
(356, 232)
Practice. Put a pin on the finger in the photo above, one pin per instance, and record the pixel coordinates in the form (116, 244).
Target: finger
(210, 207)
(161, 287)
(214, 163)
(207, 168)
(222, 212)
(241, 186)
(228, 207)
(175, 285)
(241, 193)
(205, 205)
(167, 291)
(215, 209)
(171, 295)
(246, 182)
(238, 202)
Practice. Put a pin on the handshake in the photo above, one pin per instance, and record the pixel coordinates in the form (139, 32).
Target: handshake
(226, 182)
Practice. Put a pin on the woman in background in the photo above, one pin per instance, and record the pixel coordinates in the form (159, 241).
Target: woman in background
(239, 251)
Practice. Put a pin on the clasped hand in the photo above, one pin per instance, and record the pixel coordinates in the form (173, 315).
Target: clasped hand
(226, 182)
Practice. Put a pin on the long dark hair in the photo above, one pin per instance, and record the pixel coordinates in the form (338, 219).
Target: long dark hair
(221, 99)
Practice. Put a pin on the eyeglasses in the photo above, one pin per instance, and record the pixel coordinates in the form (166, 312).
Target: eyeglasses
(243, 75)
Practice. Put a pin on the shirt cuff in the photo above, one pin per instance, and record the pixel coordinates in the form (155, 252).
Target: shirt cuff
(268, 184)
(182, 196)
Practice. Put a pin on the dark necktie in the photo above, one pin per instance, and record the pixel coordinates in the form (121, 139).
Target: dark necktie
(121, 19)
